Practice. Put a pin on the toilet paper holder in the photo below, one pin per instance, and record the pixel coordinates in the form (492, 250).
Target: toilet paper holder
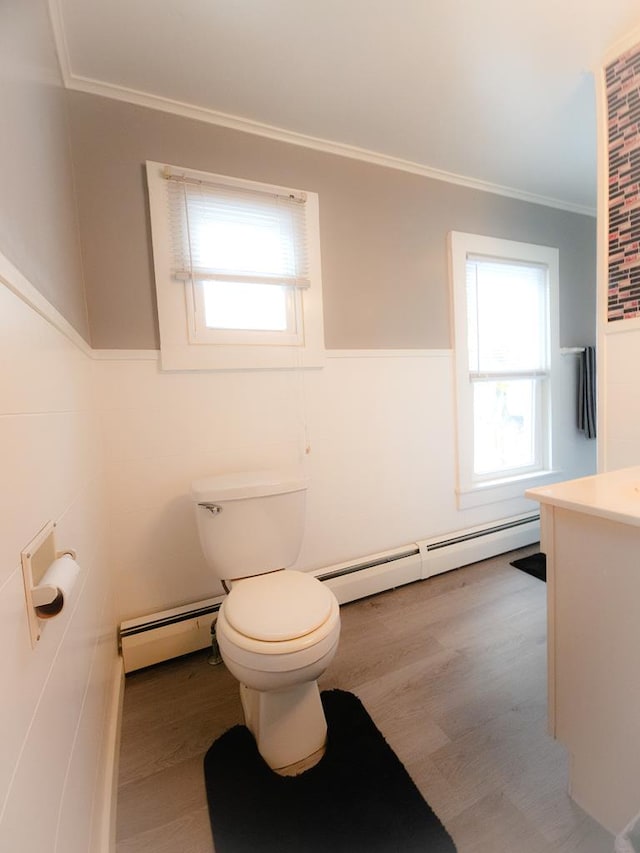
(48, 576)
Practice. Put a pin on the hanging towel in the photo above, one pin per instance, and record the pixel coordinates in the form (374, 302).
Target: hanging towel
(587, 393)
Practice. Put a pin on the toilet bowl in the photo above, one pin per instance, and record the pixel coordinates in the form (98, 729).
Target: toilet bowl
(277, 655)
(277, 629)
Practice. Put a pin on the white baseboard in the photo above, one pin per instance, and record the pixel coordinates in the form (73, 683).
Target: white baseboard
(106, 796)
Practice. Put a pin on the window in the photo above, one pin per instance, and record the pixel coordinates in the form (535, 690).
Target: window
(237, 271)
(505, 311)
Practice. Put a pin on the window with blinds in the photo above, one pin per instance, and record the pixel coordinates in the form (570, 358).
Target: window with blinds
(244, 258)
(505, 295)
(245, 254)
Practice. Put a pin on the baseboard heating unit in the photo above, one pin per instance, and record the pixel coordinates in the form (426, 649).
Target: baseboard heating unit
(161, 636)
(168, 634)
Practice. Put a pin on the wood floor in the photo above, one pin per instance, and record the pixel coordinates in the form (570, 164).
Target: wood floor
(453, 672)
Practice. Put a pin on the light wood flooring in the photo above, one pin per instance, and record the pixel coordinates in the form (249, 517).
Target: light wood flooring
(453, 672)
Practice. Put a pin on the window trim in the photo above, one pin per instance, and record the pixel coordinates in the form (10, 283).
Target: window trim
(178, 349)
(473, 492)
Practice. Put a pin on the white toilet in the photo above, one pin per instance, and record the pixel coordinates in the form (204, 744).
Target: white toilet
(277, 629)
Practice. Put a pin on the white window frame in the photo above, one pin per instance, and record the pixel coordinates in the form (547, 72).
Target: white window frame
(184, 343)
(474, 490)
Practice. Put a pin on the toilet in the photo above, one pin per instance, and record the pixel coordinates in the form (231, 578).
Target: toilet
(277, 629)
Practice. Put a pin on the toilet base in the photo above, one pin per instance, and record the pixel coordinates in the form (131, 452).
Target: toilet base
(288, 725)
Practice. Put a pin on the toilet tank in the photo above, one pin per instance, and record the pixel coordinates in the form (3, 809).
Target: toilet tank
(250, 523)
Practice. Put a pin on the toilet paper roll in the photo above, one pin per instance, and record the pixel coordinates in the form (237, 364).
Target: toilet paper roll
(55, 587)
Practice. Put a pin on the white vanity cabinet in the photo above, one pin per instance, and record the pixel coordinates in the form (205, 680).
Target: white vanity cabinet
(590, 532)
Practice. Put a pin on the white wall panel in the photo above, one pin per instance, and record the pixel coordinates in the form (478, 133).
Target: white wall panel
(52, 470)
(621, 417)
(380, 427)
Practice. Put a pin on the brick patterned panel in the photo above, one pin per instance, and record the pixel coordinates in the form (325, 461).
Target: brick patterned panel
(623, 106)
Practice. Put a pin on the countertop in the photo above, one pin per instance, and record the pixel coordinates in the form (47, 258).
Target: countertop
(614, 495)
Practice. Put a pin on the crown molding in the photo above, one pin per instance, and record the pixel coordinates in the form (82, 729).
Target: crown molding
(185, 110)
(88, 85)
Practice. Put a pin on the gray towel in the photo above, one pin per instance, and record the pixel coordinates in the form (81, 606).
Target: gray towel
(587, 393)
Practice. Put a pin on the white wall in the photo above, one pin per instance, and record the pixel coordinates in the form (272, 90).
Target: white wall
(380, 425)
(57, 733)
(619, 395)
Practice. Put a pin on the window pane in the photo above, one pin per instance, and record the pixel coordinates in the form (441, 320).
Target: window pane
(504, 425)
(506, 316)
(251, 307)
(235, 244)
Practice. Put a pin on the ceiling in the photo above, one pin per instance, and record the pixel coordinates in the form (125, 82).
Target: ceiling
(494, 92)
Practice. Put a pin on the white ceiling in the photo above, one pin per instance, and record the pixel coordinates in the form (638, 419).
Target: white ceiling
(497, 91)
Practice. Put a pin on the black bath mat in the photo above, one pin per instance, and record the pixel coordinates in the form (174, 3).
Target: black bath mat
(359, 797)
(534, 564)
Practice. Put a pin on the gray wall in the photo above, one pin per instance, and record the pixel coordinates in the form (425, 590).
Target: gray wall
(38, 216)
(383, 232)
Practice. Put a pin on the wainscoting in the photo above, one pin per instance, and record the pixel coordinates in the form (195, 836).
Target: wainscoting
(379, 430)
(58, 737)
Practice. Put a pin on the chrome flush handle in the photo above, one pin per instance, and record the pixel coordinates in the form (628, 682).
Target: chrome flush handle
(214, 509)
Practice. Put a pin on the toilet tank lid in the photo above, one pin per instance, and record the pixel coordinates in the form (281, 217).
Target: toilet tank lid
(248, 484)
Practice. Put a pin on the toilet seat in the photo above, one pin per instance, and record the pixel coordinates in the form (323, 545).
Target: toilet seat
(278, 606)
(284, 655)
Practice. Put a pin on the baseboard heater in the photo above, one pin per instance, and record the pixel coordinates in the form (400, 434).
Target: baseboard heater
(443, 553)
(168, 634)
(161, 636)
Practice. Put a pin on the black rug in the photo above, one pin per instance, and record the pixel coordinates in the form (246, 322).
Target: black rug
(535, 564)
(359, 797)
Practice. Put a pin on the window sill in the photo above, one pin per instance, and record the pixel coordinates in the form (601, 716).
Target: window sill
(495, 491)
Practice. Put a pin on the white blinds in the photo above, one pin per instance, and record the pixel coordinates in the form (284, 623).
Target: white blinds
(228, 233)
(506, 316)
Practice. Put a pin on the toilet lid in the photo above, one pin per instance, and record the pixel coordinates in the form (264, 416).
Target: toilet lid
(280, 605)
